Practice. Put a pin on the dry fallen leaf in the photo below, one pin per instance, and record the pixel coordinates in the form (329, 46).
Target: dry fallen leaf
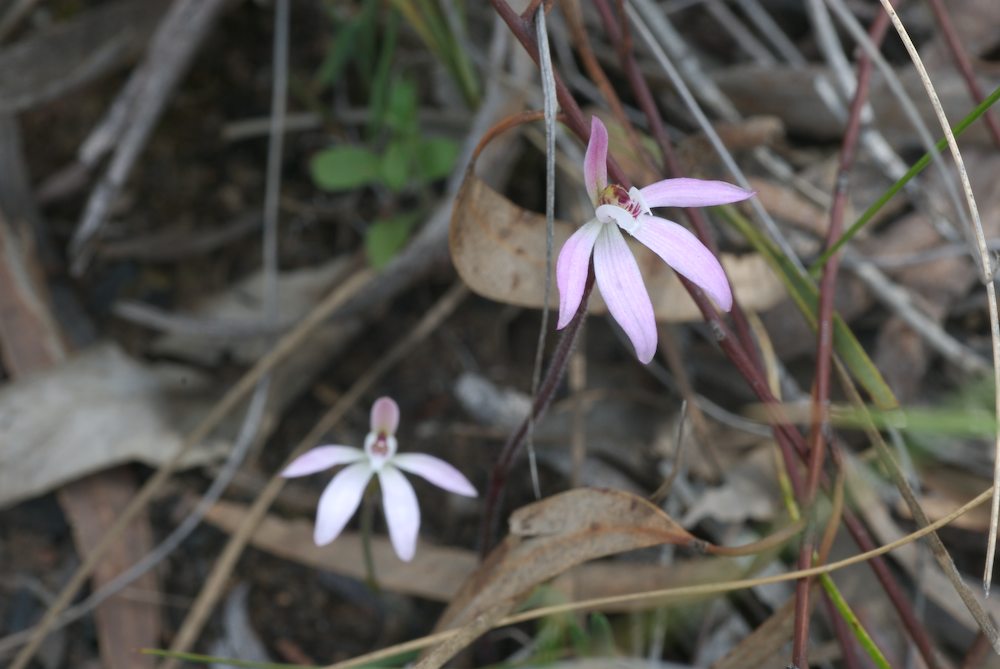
(92, 504)
(759, 648)
(437, 572)
(498, 249)
(32, 343)
(548, 538)
(111, 409)
(749, 492)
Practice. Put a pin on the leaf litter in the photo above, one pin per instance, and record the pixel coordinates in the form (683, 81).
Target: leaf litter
(133, 395)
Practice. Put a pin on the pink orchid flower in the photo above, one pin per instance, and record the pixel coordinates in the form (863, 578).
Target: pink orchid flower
(615, 268)
(343, 494)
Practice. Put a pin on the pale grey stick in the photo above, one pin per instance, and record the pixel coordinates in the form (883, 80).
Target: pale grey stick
(549, 107)
(138, 108)
(766, 25)
(258, 401)
(909, 108)
(901, 303)
(709, 130)
(746, 40)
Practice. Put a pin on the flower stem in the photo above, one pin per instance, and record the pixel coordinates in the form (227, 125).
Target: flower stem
(546, 391)
(367, 522)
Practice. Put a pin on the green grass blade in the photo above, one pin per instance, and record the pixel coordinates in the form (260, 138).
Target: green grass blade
(857, 629)
(427, 18)
(916, 169)
(805, 294)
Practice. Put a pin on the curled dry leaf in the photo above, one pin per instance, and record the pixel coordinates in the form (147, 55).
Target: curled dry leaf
(555, 534)
(546, 539)
(499, 251)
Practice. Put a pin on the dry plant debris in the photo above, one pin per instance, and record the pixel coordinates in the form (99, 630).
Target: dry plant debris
(167, 339)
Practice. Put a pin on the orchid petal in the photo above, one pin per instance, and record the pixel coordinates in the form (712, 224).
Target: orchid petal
(610, 213)
(401, 511)
(437, 471)
(339, 501)
(385, 415)
(621, 286)
(320, 458)
(595, 161)
(572, 268)
(681, 250)
(685, 192)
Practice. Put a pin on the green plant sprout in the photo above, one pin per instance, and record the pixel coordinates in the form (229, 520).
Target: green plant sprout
(396, 155)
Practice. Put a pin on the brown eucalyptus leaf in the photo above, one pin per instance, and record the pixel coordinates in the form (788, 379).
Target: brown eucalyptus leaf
(551, 536)
(498, 249)
(546, 539)
(436, 572)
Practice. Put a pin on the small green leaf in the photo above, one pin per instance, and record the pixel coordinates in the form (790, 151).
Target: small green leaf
(387, 236)
(344, 167)
(395, 167)
(436, 158)
(579, 639)
(602, 636)
(401, 107)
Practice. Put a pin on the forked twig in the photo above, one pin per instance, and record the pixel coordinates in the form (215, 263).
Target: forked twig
(139, 106)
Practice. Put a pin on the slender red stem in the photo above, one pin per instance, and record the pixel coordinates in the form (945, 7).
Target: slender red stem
(964, 66)
(543, 398)
(790, 441)
(619, 34)
(824, 340)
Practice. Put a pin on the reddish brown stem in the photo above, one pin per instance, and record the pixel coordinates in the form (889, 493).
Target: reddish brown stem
(543, 398)
(977, 652)
(578, 33)
(523, 31)
(964, 66)
(788, 438)
(824, 339)
(529, 12)
(619, 34)
(903, 606)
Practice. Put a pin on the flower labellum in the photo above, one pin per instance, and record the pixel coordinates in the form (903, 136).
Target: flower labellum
(343, 494)
(615, 268)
